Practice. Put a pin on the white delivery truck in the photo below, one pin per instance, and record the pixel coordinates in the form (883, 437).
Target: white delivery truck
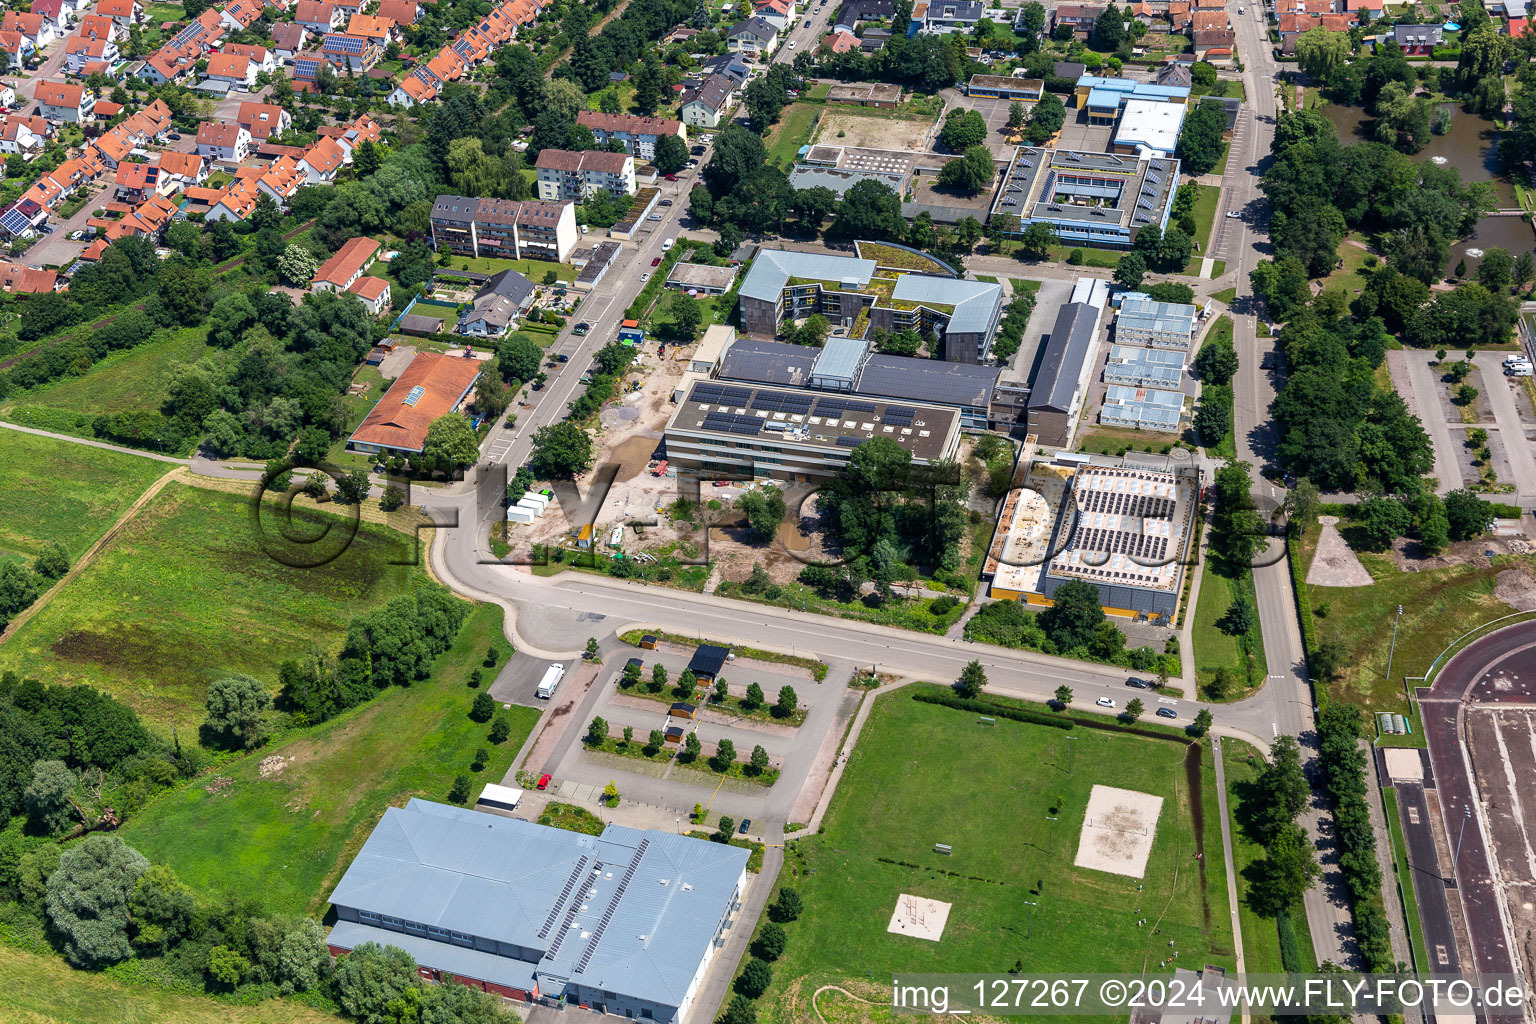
(550, 682)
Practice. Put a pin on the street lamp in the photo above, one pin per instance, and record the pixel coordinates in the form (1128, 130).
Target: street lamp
(1050, 842)
(1071, 750)
(1029, 924)
(1393, 649)
(1456, 854)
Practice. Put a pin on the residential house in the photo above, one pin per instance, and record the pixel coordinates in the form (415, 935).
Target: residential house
(874, 40)
(1205, 21)
(318, 16)
(374, 29)
(281, 178)
(705, 106)
(16, 47)
(1291, 26)
(401, 12)
(637, 134)
(223, 141)
(125, 13)
(498, 305)
(240, 14)
(1418, 40)
(348, 8)
(7, 95)
(840, 41)
(504, 227)
(182, 170)
(1214, 39)
(79, 52)
(339, 272)
(60, 13)
(16, 279)
(64, 101)
(306, 66)
(373, 292)
(17, 136)
(99, 26)
(1175, 73)
(351, 136)
(1375, 7)
(235, 202)
(945, 16)
(38, 30)
(564, 174)
(137, 181)
(23, 218)
(322, 161)
(263, 120)
(351, 52)
(855, 11)
(1080, 16)
(417, 87)
(235, 70)
(263, 58)
(288, 39)
(752, 36)
(1517, 27)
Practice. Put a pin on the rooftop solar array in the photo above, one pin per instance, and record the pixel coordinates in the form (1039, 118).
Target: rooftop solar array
(730, 423)
(777, 401)
(835, 408)
(720, 394)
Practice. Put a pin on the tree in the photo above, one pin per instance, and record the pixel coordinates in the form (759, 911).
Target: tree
(1433, 526)
(47, 796)
(870, 209)
(755, 978)
(765, 510)
(518, 357)
(451, 442)
(1238, 531)
(482, 708)
(787, 907)
(963, 128)
(597, 732)
(684, 315)
(787, 702)
(352, 488)
(1381, 520)
(561, 450)
(1320, 52)
(1073, 616)
(228, 967)
(611, 793)
(1173, 252)
(754, 698)
(671, 154)
(655, 741)
(971, 173)
(758, 762)
(770, 942)
(1130, 270)
(1238, 619)
(1046, 119)
(740, 1011)
(237, 706)
(297, 265)
(1018, 115)
(1202, 723)
(372, 977)
(1496, 270)
(87, 899)
(658, 677)
(724, 756)
(500, 730)
(692, 748)
(458, 793)
(1108, 30)
(1282, 787)
(1469, 515)
(1287, 871)
(722, 690)
(1063, 695)
(1036, 240)
(1523, 270)
(1466, 394)
(1134, 709)
(1200, 143)
(162, 907)
(1220, 684)
(972, 679)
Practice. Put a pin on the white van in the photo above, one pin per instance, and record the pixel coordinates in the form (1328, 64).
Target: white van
(551, 681)
(1514, 359)
(1520, 370)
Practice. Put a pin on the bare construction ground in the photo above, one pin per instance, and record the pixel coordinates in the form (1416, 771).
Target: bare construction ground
(869, 131)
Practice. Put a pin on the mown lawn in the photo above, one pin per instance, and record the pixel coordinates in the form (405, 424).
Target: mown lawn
(42, 989)
(186, 592)
(1261, 939)
(1349, 278)
(533, 270)
(133, 379)
(922, 774)
(288, 838)
(58, 491)
(1205, 215)
(792, 132)
(1215, 649)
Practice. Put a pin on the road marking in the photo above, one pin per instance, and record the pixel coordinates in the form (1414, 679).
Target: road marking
(1275, 727)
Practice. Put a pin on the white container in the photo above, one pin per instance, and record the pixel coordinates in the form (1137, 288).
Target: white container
(520, 515)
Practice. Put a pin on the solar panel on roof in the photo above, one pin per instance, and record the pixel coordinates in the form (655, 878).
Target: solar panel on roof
(859, 406)
(850, 442)
(415, 394)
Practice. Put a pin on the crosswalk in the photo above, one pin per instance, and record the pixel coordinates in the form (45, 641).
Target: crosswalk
(499, 449)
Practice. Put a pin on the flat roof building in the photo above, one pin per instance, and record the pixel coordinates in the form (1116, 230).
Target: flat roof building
(1027, 90)
(1145, 321)
(701, 278)
(1123, 529)
(764, 431)
(1060, 386)
(1142, 408)
(1144, 367)
(1148, 128)
(626, 922)
(1099, 199)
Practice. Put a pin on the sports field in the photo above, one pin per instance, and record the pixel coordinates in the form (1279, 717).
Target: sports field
(185, 592)
(289, 836)
(59, 491)
(923, 774)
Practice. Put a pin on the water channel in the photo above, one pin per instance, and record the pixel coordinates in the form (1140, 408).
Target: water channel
(1471, 147)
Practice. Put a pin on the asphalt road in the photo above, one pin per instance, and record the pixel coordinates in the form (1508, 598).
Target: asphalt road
(1429, 877)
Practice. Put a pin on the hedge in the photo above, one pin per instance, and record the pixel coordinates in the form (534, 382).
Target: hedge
(984, 707)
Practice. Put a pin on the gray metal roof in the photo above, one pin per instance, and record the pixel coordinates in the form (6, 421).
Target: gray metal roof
(928, 380)
(1142, 407)
(767, 362)
(1061, 366)
(630, 911)
(1132, 364)
(839, 359)
(773, 268)
(445, 956)
(976, 302)
(1143, 313)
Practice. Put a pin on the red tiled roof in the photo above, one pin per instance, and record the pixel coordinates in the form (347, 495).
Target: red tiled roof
(59, 94)
(325, 156)
(369, 287)
(27, 280)
(223, 134)
(632, 123)
(186, 165)
(229, 65)
(352, 257)
(442, 380)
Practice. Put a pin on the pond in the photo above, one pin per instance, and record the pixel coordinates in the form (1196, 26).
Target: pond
(1471, 147)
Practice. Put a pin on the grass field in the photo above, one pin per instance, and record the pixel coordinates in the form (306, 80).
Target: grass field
(43, 989)
(1215, 649)
(792, 132)
(289, 837)
(1439, 605)
(58, 491)
(533, 270)
(922, 774)
(1404, 876)
(1117, 440)
(188, 575)
(1205, 215)
(133, 379)
(1350, 278)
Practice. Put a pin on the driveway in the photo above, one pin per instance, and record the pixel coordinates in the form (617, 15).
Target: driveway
(56, 250)
(1501, 398)
(1415, 381)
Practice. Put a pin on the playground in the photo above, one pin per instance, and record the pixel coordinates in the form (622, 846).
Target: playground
(954, 845)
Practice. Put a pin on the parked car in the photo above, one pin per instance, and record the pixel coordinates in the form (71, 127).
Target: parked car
(656, 262)
(544, 781)
(1105, 702)
(671, 177)
(1233, 214)
(174, 137)
(1167, 713)
(666, 202)
(581, 328)
(644, 278)
(746, 823)
(1140, 684)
